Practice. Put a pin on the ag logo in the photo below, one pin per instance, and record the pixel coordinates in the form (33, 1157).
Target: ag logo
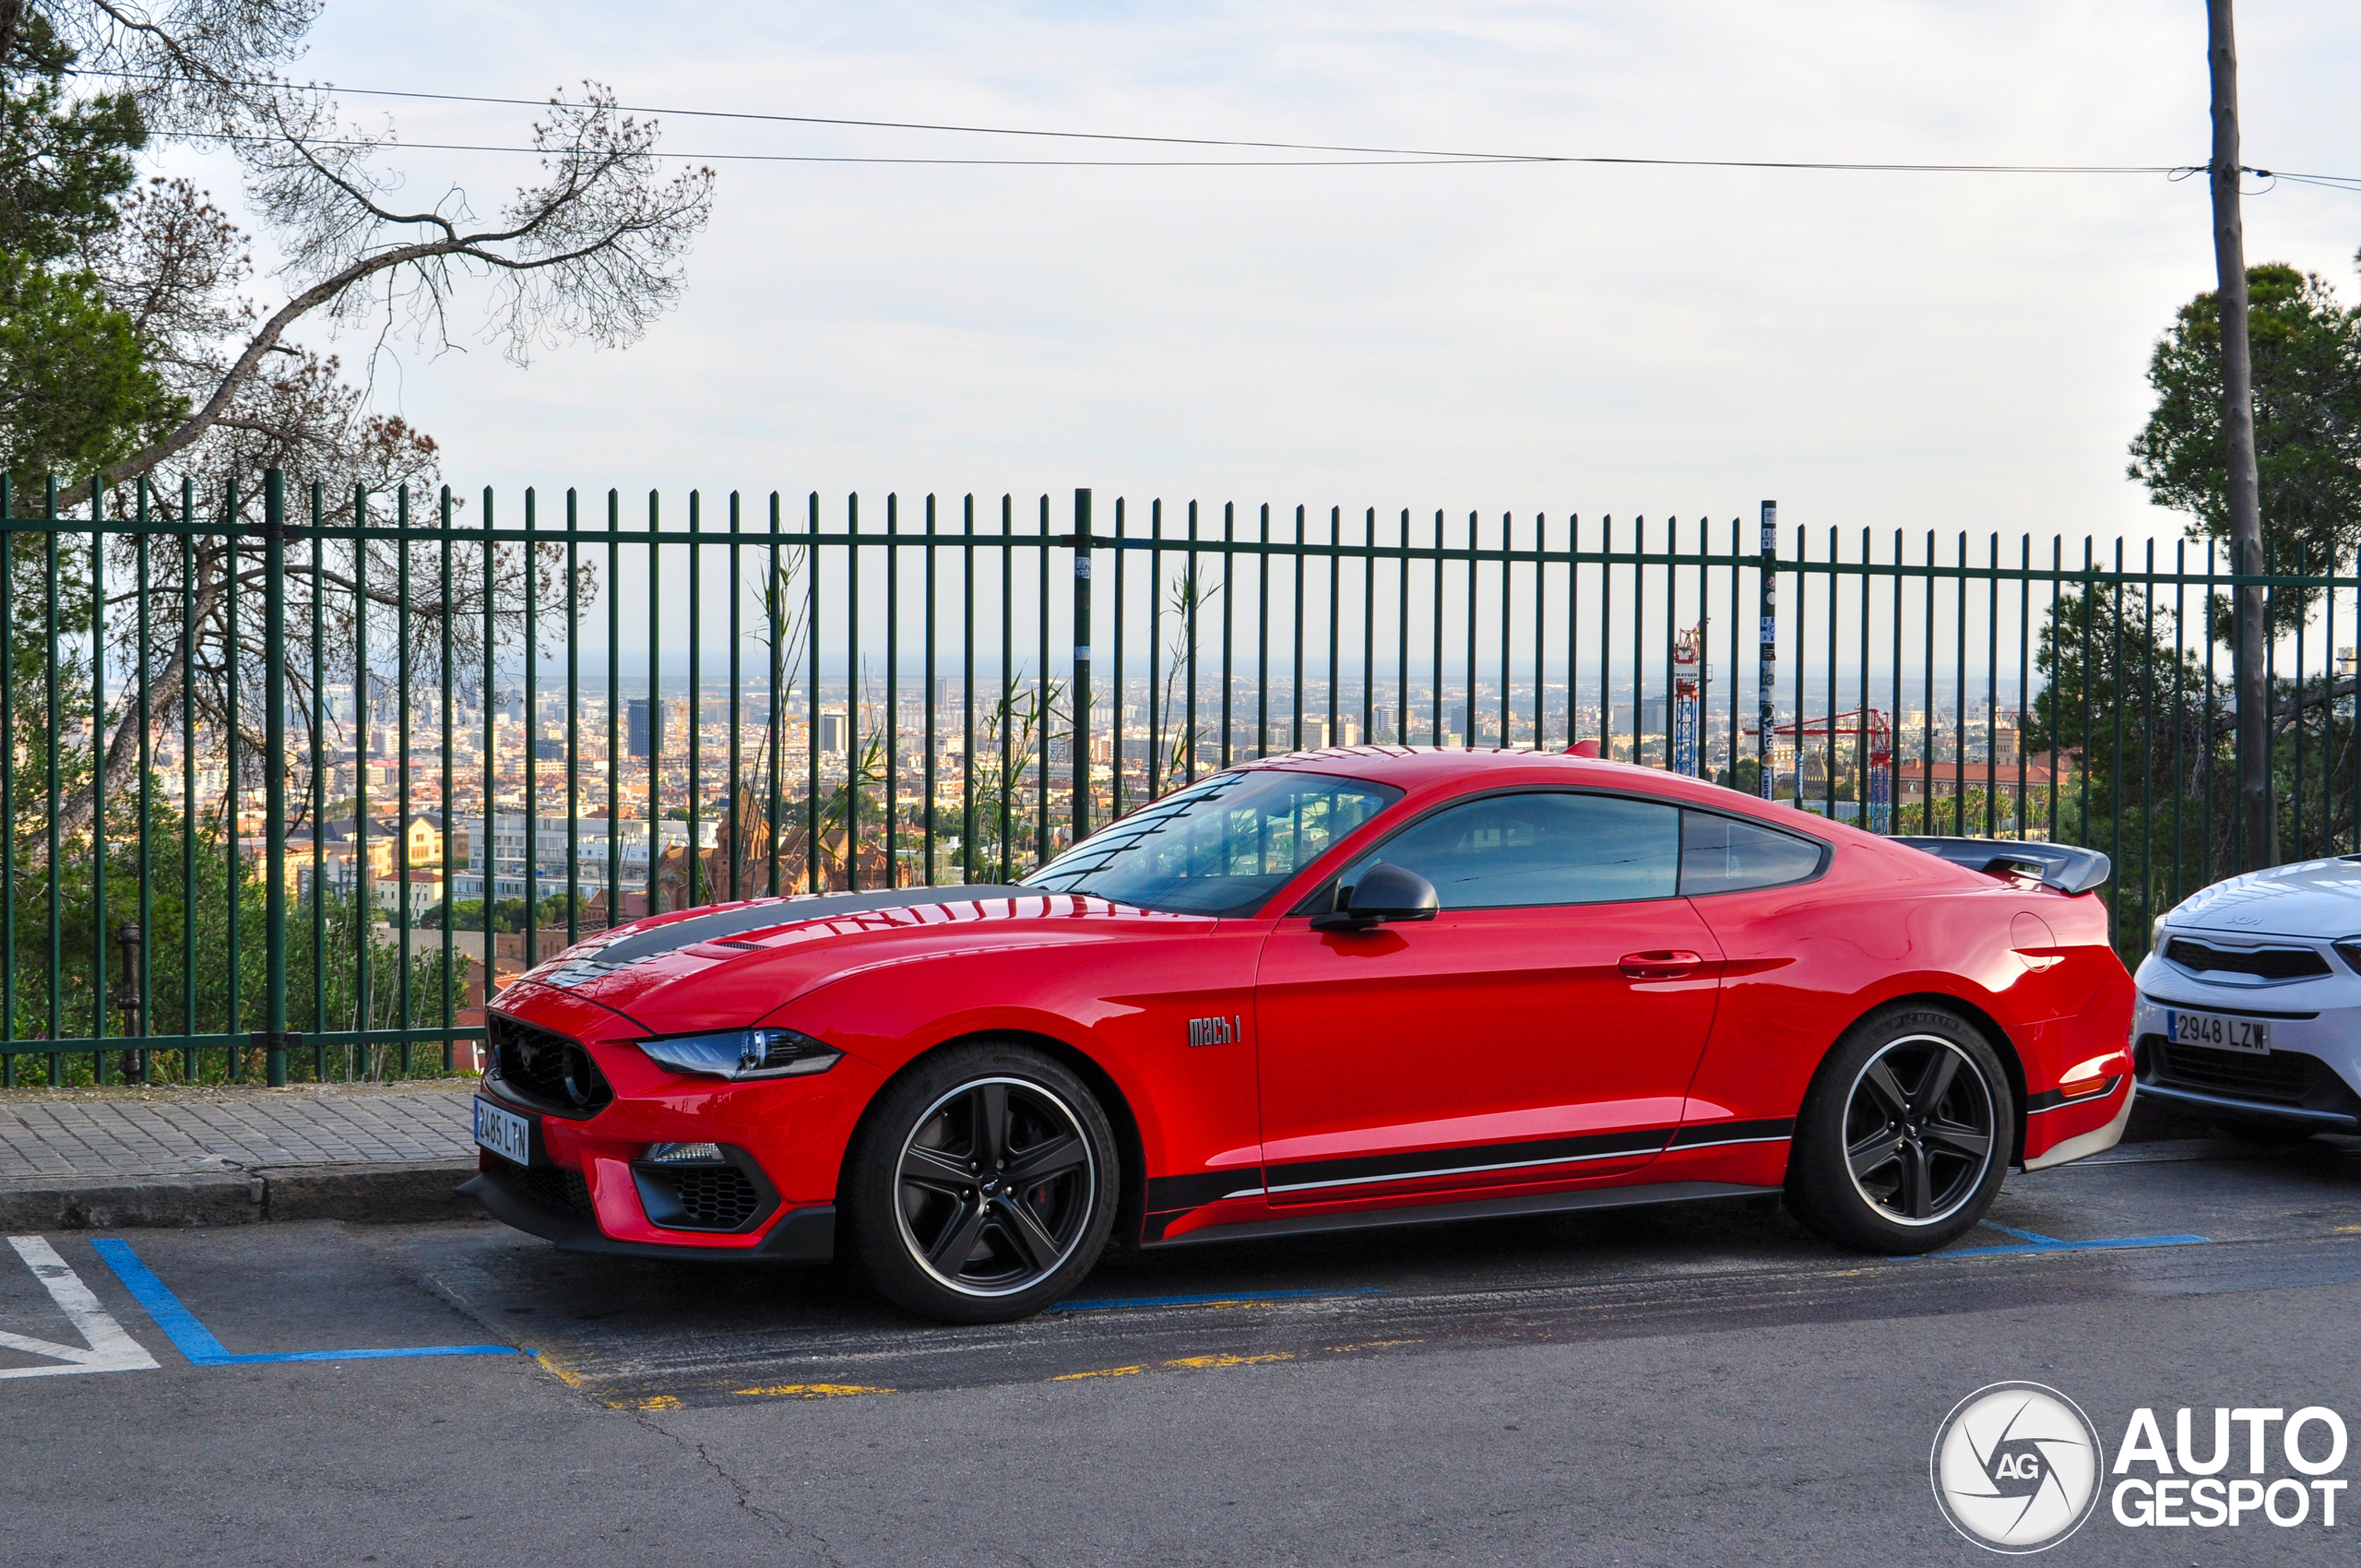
(2016, 1467)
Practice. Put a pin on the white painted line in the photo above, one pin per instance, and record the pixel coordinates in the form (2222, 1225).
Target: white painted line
(109, 1348)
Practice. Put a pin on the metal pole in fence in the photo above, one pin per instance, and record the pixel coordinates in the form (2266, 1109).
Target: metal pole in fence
(1081, 740)
(1766, 594)
(274, 636)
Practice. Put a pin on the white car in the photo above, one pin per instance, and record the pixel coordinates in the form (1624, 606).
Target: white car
(2250, 1001)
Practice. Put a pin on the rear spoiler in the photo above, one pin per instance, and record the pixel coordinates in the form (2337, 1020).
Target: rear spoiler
(2067, 867)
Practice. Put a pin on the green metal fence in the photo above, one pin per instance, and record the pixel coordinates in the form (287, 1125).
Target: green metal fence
(264, 747)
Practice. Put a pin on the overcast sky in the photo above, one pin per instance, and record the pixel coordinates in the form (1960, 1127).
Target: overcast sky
(1930, 351)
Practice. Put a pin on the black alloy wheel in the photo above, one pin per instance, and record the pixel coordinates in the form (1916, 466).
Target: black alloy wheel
(983, 1186)
(1906, 1136)
(1919, 1130)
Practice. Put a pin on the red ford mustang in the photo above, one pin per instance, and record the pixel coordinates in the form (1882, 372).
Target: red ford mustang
(1341, 989)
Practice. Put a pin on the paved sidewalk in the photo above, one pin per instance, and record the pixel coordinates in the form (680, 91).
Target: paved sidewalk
(76, 1158)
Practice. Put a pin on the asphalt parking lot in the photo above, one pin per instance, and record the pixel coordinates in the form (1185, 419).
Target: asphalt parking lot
(1705, 1384)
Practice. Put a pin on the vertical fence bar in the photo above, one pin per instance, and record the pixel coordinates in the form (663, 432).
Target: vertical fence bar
(1368, 627)
(968, 872)
(693, 851)
(401, 762)
(811, 731)
(655, 708)
(1190, 615)
(573, 712)
(1007, 765)
(488, 703)
(853, 768)
(1263, 640)
(734, 816)
(233, 1011)
(99, 779)
(1766, 599)
(1228, 602)
(1158, 714)
(927, 779)
(1042, 703)
(190, 1062)
(618, 737)
(143, 630)
(1115, 682)
(893, 688)
(1473, 557)
(319, 499)
(54, 803)
(445, 626)
(1081, 699)
(775, 604)
(274, 757)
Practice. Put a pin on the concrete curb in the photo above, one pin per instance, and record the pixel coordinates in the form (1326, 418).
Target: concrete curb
(378, 1192)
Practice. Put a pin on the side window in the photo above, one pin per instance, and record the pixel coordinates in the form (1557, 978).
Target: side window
(1506, 851)
(1721, 854)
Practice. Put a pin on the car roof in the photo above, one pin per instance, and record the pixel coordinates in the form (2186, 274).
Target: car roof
(1420, 768)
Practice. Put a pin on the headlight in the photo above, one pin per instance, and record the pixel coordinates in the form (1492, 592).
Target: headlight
(743, 1053)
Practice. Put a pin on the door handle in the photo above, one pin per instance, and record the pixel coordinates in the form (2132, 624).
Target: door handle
(1659, 964)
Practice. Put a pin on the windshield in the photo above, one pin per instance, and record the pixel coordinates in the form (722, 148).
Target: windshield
(1221, 848)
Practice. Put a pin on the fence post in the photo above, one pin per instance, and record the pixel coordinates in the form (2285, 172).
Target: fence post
(1081, 738)
(274, 601)
(1767, 598)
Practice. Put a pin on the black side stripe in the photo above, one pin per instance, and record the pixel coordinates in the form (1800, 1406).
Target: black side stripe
(1168, 1193)
(1704, 1135)
(1453, 1162)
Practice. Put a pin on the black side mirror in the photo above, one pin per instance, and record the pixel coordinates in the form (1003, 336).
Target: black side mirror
(1385, 893)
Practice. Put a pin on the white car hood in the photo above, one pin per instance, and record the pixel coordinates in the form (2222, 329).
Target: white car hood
(2309, 898)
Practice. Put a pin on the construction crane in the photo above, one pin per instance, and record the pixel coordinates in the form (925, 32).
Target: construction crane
(1689, 676)
(1873, 724)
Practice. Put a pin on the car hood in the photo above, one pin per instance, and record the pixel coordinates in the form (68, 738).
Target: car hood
(669, 966)
(2308, 899)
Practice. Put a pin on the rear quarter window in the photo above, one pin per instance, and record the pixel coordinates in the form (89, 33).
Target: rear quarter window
(1724, 854)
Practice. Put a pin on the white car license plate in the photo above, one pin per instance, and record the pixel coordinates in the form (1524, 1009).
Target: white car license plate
(507, 1135)
(2249, 1035)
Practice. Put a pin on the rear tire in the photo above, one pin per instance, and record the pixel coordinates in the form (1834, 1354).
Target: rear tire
(983, 1186)
(1905, 1134)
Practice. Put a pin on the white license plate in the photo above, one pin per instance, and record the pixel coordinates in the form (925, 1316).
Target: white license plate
(2249, 1035)
(506, 1135)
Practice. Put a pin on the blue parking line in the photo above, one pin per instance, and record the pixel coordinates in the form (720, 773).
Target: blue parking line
(2033, 1242)
(197, 1342)
(1227, 1299)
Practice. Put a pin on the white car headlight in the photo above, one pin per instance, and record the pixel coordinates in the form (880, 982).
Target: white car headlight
(743, 1053)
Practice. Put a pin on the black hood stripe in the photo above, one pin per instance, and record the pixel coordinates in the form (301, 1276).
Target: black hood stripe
(591, 961)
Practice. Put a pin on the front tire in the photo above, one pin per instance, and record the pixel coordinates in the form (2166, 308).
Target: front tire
(1906, 1134)
(982, 1186)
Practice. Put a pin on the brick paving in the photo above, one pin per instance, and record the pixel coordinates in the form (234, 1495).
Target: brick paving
(52, 1133)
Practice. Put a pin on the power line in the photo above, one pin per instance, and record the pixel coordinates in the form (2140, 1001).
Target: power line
(1359, 156)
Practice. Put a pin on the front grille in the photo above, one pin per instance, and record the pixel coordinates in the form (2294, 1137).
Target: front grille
(550, 1187)
(546, 1070)
(2284, 1078)
(2264, 963)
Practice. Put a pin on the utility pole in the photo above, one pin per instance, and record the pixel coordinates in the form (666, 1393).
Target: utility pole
(2258, 847)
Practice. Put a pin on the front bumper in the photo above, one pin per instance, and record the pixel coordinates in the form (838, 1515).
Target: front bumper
(537, 1200)
(2310, 1080)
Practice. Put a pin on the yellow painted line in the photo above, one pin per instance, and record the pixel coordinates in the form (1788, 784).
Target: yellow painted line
(653, 1402)
(1369, 1345)
(550, 1364)
(810, 1390)
(1194, 1363)
(2345, 1228)
(1103, 1372)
